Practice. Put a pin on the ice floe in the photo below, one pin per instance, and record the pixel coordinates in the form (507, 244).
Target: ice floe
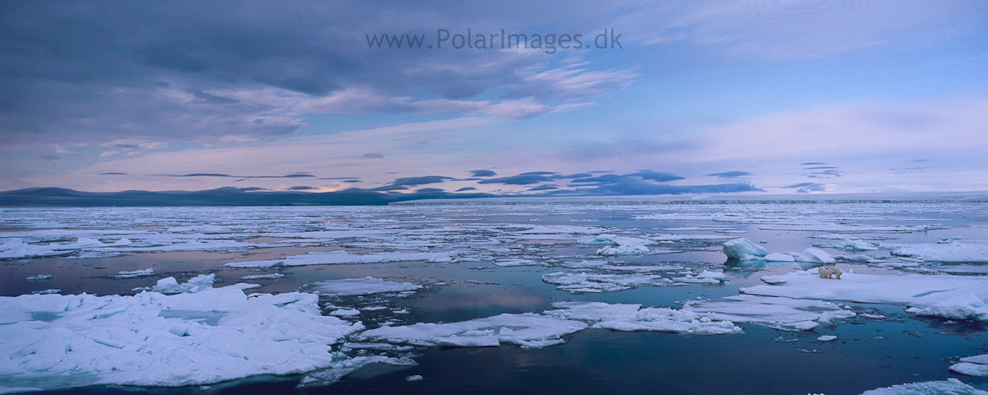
(528, 330)
(359, 286)
(620, 245)
(634, 317)
(171, 286)
(948, 251)
(946, 387)
(344, 257)
(583, 282)
(972, 366)
(773, 312)
(135, 273)
(152, 339)
(946, 296)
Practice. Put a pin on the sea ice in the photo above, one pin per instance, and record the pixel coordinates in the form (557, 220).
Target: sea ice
(620, 245)
(359, 286)
(528, 330)
(813, 255)
(706, 277)
(972, 366)
(343, 257)
(826, 338)
(952, 251)
(593, 283)
(40, 277)
(272, 276)
(150, 339)
(516, 262)
(947, 387)
(135, 273)
(171, 286)
(946, 296)
(633, 317)
(743, 249)
(773, 312)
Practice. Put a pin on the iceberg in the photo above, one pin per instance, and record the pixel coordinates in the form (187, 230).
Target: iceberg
(151, 339)
(945, 296)
(744, 250)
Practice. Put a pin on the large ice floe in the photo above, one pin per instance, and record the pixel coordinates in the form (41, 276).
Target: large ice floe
(152, 339)
(945, 387)
(945, 296)
(777, 313)
(344, 257)
(945, 251)
(360, 286)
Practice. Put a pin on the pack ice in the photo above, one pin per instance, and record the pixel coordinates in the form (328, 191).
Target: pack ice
(945, 296)
(152, 339)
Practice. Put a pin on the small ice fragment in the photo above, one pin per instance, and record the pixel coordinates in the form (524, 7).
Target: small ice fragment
(414, 377)
(972, 366)
(826, 338)
(345, 312)
(272, 276)
(135, 273)
(40, 277)
(196, 284)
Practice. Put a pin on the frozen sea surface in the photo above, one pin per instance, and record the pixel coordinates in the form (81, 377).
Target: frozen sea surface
(699, 296)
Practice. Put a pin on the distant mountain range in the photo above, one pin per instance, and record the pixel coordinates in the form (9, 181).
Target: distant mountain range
(61, 197)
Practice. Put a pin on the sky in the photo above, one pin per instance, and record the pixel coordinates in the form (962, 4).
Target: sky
(659, 97)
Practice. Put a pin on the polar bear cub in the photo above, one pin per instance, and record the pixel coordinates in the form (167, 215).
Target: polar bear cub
(827, 272)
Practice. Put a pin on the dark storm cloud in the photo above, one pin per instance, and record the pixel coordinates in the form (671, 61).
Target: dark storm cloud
(807, 187)
(730, 174)
(464, 189)
(483, 173)
(98, 72)
(422, 180)
(301, 188)
(545, 187)
(113, 173)
(529, 178)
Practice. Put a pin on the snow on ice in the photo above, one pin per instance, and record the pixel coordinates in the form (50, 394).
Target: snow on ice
(359, 286)
(945, 296)
(946, 387)
(744, 250)
(343, 257)
(152, 339)
(972, 366)
(528, 330)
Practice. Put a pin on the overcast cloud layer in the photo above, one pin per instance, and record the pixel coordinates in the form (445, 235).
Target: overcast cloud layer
(697, 97)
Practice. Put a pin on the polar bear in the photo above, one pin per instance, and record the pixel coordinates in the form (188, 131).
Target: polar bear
(827, 272)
